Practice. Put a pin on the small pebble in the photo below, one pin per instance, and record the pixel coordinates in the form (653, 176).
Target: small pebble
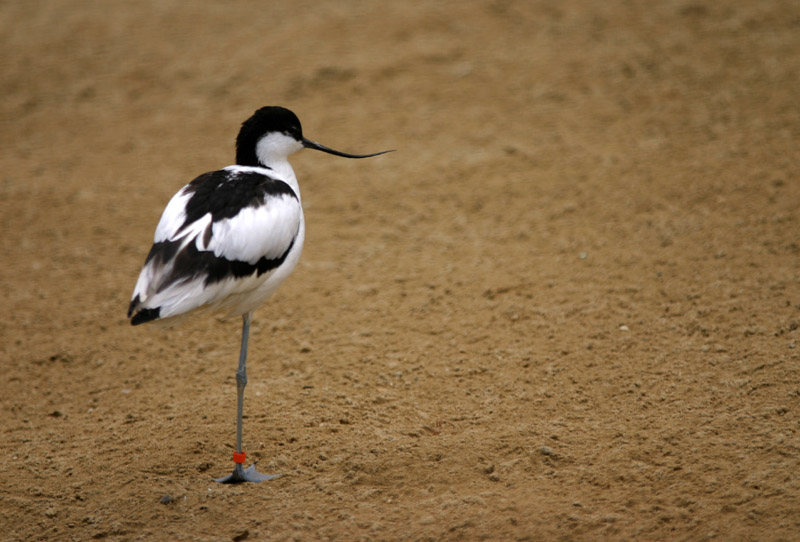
(166, 499)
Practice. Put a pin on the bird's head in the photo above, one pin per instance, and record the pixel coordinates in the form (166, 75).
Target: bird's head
(273, 133)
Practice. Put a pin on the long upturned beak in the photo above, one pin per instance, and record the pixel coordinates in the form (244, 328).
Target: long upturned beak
(308, 144)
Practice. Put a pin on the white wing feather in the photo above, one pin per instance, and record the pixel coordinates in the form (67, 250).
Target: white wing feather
(258, 232)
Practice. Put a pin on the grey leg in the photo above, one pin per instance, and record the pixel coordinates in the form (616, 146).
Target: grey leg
(240, 474)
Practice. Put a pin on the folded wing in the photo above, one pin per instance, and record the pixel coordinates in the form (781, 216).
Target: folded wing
(220, 237)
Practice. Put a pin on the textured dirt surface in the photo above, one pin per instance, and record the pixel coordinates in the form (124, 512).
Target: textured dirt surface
(566, 308)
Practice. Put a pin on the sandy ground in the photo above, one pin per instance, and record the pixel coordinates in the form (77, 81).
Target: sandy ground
(566, 308)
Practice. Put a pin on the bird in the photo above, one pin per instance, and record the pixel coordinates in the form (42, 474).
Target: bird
(228, 239)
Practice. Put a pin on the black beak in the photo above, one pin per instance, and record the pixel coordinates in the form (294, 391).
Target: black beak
(308, 144)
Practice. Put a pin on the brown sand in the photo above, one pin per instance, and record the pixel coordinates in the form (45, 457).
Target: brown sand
(566, 309)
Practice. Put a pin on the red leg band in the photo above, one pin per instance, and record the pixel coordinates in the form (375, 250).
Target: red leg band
(238, 457)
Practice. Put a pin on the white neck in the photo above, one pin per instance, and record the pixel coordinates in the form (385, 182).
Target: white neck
(273, 151)
(283, 170)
